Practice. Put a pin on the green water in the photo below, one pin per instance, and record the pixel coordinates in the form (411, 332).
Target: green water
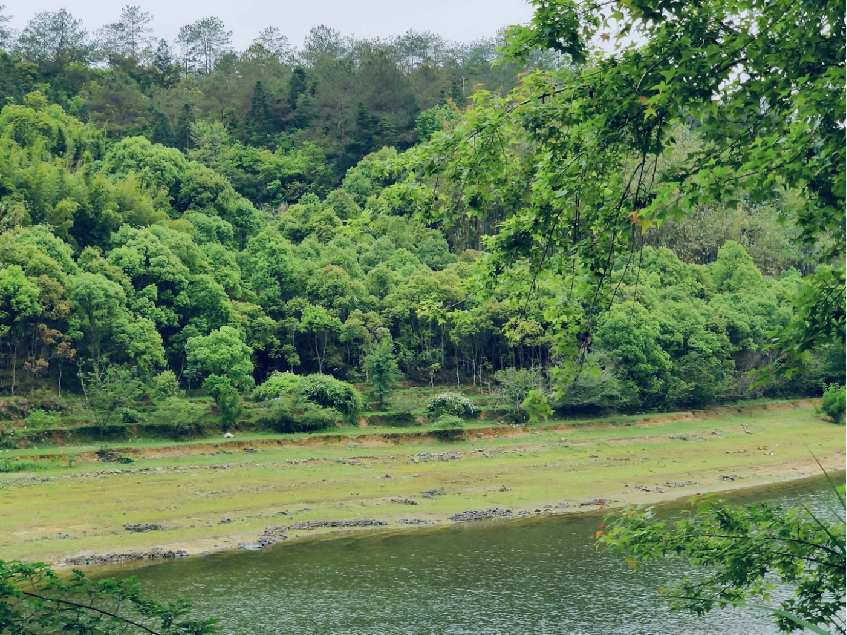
(542, 576)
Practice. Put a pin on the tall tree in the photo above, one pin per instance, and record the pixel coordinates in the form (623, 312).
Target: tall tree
(130, 37)
(55, 36)
(274, 43)
(381, 366)
(259, 124)
(203, 43)
(5, 29)
(322, 42)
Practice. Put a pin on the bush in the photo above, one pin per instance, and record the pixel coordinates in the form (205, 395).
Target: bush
(182, 417)
(38, 418)
(320, 390)
(329, 392)
(450, 403)
(293, 414)
(834, 404)
(278, 385)
(128, 415)
(449, 422)
(165, 385)
(449, 427)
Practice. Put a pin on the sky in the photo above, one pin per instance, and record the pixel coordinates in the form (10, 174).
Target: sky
(460, 20)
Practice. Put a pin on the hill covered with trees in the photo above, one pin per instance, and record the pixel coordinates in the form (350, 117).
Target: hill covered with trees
(194, 212)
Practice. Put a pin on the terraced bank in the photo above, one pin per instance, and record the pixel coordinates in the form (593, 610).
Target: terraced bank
(259, 490)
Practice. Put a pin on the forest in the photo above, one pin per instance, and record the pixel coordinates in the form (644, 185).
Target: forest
(180, 212)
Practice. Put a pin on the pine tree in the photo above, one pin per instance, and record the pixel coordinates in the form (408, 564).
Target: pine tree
(259, 125)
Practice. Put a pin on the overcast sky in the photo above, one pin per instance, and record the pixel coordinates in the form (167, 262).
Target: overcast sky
(462, 20)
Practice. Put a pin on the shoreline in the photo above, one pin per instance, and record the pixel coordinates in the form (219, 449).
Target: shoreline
(177, 500)
(834, 465)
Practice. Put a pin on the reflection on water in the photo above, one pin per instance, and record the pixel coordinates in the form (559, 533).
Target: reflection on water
(543, 576)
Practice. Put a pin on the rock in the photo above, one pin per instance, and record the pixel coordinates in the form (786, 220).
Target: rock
(596, 501)
(562, 505)
(678, 484)
(153, 554)
(414, 521)
(309, 525)
(224, 521)
(481, 514)
(143, 527)
(728, 477)
(249, 450)
(434, 492)
(404, 501)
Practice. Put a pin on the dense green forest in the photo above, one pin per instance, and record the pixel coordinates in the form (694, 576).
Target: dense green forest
(193, 210)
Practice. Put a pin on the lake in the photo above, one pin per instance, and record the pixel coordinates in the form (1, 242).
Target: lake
(537, 576)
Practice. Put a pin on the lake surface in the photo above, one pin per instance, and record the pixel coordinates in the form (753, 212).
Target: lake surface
(539, 576)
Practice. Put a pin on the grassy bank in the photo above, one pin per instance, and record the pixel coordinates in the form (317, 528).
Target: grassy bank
(214, 493)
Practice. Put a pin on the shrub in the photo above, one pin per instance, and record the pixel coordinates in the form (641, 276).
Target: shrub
(449, 427)
(15, 407)
(320, 390)
(182, 417)
(7, 466)
(329, 392)
(278, 385)
(450, 403)
(38, 418)
(128, 415)
(293, 414)
(449, 422)
(834, 404)
(165, 385)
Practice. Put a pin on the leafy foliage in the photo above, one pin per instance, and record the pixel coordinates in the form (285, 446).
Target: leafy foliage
(742, 552)
(34, 598)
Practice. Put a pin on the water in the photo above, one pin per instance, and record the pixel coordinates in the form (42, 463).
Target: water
(541, 576)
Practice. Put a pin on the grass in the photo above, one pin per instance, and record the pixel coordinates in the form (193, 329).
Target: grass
(69, 506)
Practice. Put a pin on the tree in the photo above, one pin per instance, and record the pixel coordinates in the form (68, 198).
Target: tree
(5, 31)
(605, 161)
(259, 123)
(221, 354)
(18, 303)
(322, 42)
(271, 40)
(55, 36)
(321, 325)
(203, 43)
(130, 37)
(381, 367)
(109, 389)
(36, 599)
(515, 384)
(739, 552)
